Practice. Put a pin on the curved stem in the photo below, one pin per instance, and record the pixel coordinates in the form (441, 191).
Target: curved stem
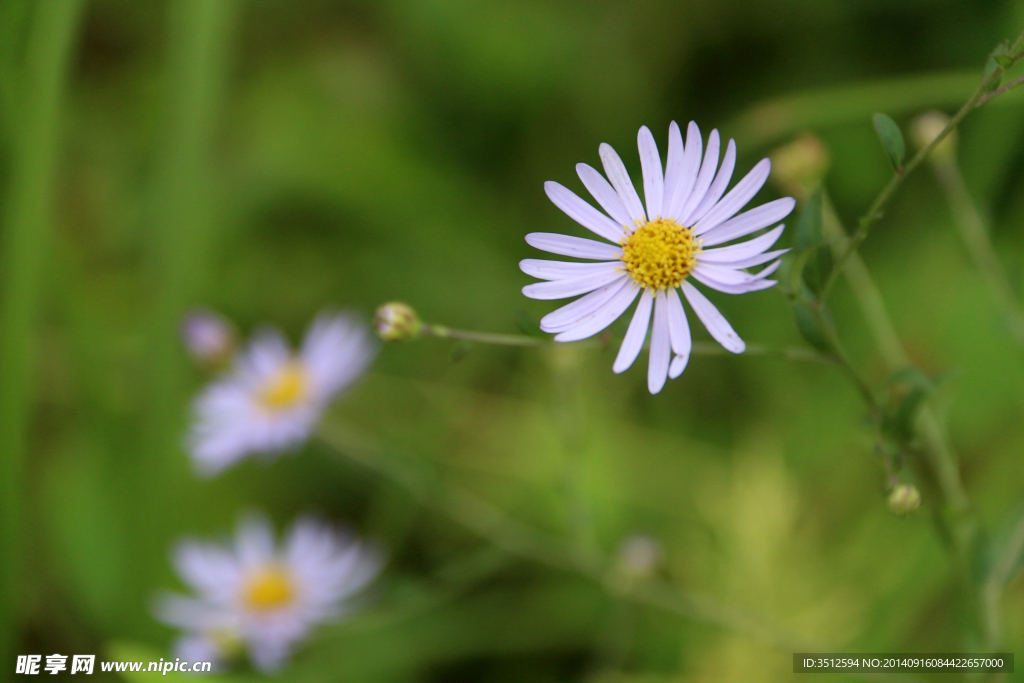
(795, 353)
(874, 212)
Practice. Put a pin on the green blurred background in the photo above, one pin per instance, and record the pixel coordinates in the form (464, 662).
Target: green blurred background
(270, 158)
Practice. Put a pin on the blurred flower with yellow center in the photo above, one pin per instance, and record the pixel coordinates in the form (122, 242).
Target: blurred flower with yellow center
(268, 588)
(256, 597)
(653, 252)
(272, 399)
(286, 388)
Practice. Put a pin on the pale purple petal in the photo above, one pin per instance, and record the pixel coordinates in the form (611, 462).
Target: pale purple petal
(569, 315)
(704, 177)
(688, 172)
(715, 322)
(564, 270)
(578, 247)
(650, 165)
(563, 289)
(743, 250)
(737, 198)
(717, 188)
(604, 193)
(747, 222)
(661, 348)
(604, 316)
(633, 342)
(619, 178)
(583, 213)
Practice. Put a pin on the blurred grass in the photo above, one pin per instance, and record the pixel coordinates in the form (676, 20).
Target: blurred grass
(270, 158)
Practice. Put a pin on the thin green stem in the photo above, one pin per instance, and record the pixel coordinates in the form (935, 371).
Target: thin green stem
(794, 353)
(975, 234)
(999, 576)
(515, 538)
(27, 219)
(874, 212)
(180, 222)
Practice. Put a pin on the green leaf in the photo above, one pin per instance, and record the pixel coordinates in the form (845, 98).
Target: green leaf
(808, 323)
(892, 139)
(808, 228)
(814, 258)
(899, 422)
(991, 65)
(460, 350)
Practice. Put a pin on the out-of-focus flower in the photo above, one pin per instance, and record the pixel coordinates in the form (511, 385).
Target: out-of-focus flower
(655, 252)
(800, 165)
(209, 338)
(273, 398)
(397, 321)
(904, 499)
(928, 126)
(638, 556)
(255, 597)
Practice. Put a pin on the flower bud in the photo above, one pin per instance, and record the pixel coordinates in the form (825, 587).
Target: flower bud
(904, 499)
(639, 556)
(397, 321)
(799, 166)
(926, 128)
(208, 337)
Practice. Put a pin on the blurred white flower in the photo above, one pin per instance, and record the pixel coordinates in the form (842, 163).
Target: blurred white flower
(273, 398)
(654, 252)
(255, 597)
(208, 337)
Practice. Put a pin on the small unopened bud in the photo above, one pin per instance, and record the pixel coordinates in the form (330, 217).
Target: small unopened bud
(799, 166)
(397, 321)
(639, 556)
(928, 126)
(208, 337)
(904, 499)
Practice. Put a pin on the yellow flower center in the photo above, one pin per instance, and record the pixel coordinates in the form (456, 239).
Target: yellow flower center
(268, 589)
(286, 388)
(660, 254)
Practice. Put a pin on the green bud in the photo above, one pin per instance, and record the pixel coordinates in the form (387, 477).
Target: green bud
(904, 499)
(926, 128)
(397, 321)
(798, 167)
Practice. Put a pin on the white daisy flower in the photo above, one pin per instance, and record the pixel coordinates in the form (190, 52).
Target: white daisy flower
(254, 597)
(273, 398)
(655, 252)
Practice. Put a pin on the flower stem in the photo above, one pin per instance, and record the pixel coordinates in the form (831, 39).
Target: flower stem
(975, 235)
(27, 218)
(874, 212)
(794, 353)
(520, 540)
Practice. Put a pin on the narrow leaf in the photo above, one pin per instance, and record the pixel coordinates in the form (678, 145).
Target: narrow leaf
(892, 139)
(808, 325)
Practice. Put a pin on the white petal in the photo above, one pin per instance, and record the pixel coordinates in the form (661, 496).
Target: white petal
(650, 164)
(678, 327)
(736, 252)
(661, 350)
(563, 289)
(747, 222)
(619, 177)
(602, 317)
(717, 188)
(583, 213)
(604, 193)
(755, 260)
(714, 321)
(704, 177)
(635, 334)
(578, 247)
(673, 167)
(569, 315)
(677, 367)
(737, 198)
(564, 270)
(688, 172)
(732, 281)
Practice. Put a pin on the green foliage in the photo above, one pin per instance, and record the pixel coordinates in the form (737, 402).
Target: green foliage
(269, 159)
(892, 139)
